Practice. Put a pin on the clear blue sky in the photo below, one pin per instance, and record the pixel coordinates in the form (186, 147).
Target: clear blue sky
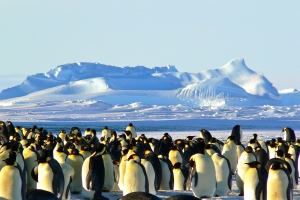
(37, 36)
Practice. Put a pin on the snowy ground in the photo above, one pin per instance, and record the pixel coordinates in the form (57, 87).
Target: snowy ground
(221, 134)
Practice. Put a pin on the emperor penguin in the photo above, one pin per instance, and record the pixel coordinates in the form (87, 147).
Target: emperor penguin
(261, 155)
(135, 178)
(246, 157)
(12, 182)
(237, 132)
(289, 135)
(109, 172)
(180, 174)
(223, 174)
(132, 129)
(4, 149)
(60, 155)
(62, 135)
(174, 155)
(150, 175)
(30, 156)
(204, 171)
(255, 182)
(229, 151)
(68, 176)
(4, 135)
(167, 173)
(48, 174)
(18, 130)
(294, 173)
(272, 146)
(75, 160)
(85, 151)
(239, 149)
(93, 174)
(153, 158)
(106, 133)
(122, 168)
(206, 135)
(279, 183)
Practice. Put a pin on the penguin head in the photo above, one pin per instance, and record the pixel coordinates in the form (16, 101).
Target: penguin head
(74, 152)
(279, 140)
(255, 136)
(276, 166)
(45, 155)
(254, 164)
(230, 138)
(177, 165)
(100, 149)
(134, 157)
(213, 140)
(280, 153)
(188, 138)
(249, 149)
(12, 156)
(60, 149)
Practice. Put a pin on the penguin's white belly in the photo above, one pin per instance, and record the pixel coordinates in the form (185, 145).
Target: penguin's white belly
(251, 180)
(11, 184)
(166, 175)
(45, 177)
(277, 185)
(76, 163)
(134, 179)
(150, 174)
(178, 179)
(175, 156)
(229, 151)
(122, 168)
(30, 158)
(205, 168)
(87, 193)
(109, 173)
(222, 174)
(68, 172)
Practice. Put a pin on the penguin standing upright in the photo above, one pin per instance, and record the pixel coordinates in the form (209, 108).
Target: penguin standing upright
(153, 158)
(239, 149)
(150, 175)
(167, 174)
(93, 174)
(12, 182)
(4, 135)
(246, 157)
(30, 156)
(204, 178)
(289, 135)
(180, 174)
(237, 132)
(48, 174)
(109, 172)
(135, 178)
(75, 160)
(255, 182)
(279, 183)
(261, 155)
(132, 129)
(206, 135)
(229, 151)
(174, 155)
(68, 172)
(223, 174)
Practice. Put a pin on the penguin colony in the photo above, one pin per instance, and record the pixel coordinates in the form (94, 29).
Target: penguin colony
(36, 164)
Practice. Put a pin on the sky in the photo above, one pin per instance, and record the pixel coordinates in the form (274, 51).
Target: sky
(37, 36)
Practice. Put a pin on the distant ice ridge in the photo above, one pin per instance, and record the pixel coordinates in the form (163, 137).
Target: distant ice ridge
(233, 84)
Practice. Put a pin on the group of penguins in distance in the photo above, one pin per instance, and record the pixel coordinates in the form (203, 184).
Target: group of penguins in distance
(35, 164)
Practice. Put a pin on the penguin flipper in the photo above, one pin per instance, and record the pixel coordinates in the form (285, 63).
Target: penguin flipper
(58, 178)
(34, 175)
(23, 189)
(146, 177)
